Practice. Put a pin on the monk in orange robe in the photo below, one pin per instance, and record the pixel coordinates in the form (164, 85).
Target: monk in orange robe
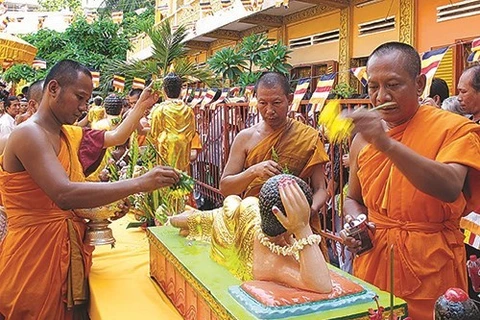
(44, 264)
(274, 145)
(415, 173)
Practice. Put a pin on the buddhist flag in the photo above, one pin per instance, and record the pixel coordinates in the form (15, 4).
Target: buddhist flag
(95, 79)
(163, 7)
(471, 224)
(361, 74)
(138, 83)
(430, 62)
(199, 98)
(221, 99)
(117, 16)
(188, 93)
(208, 98)
(247, 4)
(39, 64)
(90, 18)
(475, 55)
(234, 92)
(226, 3)
(324, 85)
(300, 90)
(206, 6)
(118, 83)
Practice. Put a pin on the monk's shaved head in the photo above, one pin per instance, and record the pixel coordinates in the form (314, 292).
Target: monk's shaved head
(66, 73)
(411, 61)
(272, 79)
(35, 91)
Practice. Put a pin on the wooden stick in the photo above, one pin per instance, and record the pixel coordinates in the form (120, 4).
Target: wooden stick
(391, 283)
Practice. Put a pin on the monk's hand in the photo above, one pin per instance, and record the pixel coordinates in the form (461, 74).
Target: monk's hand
(296, 206)
(266, 169)
(180, 221)
(148, 98)
(123, 208)
(159, 177)
(352, 244)
(370, 125)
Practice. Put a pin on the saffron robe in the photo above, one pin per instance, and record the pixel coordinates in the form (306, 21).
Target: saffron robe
(298, 148)
(429, 252)
(173, 128)
(44, 264)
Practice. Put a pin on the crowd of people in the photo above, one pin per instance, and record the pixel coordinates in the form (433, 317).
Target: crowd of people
(413, 172)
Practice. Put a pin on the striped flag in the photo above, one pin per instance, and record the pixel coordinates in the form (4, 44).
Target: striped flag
(196, 100)
(300, 90)
(471, 225)
(95, 79)
(208, 98)
(117, 16)
(361, 74)
(430, 62)
(475, 55)
(221, 99)
(226, 3)
(324, 85)
(118, 83)
(90, 18)
(247, 4)
(206, 7)
(234, 92)
(163, 8)
(39, 64)
(138, 83)
(188, 93)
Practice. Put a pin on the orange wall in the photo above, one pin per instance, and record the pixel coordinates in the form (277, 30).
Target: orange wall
(316, 53)
(364, 45)
(313, 26)
(431, 33)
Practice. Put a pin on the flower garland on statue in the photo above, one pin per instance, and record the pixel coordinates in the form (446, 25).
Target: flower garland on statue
(289, 250)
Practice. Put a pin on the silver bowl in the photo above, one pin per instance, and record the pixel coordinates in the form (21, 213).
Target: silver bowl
(98, 232)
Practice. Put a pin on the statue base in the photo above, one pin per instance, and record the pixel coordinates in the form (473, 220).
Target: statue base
(199, 288)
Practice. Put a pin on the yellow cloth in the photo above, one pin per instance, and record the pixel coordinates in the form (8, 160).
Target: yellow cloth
(120, 284)
(429, 251)
(196, 143)
(43, 262)
(298, 147)
(173, 128)
(95, 113)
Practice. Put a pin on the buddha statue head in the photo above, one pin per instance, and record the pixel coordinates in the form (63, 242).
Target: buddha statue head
(269, 196)
(113, 105)
(172, 85)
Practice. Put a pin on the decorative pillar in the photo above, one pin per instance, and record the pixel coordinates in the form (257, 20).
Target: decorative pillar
(406, 26)
(345, 45)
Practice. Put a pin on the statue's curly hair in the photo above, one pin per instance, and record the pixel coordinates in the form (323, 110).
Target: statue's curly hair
(172, 84)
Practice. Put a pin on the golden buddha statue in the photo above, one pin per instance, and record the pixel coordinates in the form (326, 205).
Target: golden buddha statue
(96, 111)
(249, 239)
(173, 126)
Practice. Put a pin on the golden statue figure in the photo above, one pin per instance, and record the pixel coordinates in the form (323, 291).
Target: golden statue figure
(173, 126)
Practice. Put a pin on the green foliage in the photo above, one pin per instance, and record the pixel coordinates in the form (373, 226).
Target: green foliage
(168, 50)
(274, 58)
(25, 72)
(93, 45)
(343, 91)
(134, 24)
(108, 6)
(228, 63)
(252, 47)
(237, 65)
(57, 5)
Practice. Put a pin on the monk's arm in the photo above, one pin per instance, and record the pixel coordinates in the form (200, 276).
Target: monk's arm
(353, 204)
(39, 159)
(318, 187)
(443, 181)
(130, 123)
(234, 179)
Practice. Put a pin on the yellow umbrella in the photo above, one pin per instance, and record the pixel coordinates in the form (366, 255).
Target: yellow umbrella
(15, 50)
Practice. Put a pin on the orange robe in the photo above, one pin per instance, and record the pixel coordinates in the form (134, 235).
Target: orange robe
(44, 264)
(429, 252)
(298, 148)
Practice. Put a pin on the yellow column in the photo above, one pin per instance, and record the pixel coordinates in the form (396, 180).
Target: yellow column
(406, 16)
(345, 45)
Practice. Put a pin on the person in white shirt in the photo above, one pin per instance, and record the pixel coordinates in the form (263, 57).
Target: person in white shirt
(7, 121)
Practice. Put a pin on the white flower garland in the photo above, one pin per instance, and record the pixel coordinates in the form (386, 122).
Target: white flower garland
(289, 250)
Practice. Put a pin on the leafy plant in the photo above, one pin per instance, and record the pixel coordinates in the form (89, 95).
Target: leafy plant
(168, 50)
(248, 78)
(274, 59)
(252, 47)
(25, 72)
(229, 63)
(343, 91)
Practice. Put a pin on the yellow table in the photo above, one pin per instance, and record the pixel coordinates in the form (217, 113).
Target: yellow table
(120, 283)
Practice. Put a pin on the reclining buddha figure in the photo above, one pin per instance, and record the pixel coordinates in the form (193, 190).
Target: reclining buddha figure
(253, 236)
